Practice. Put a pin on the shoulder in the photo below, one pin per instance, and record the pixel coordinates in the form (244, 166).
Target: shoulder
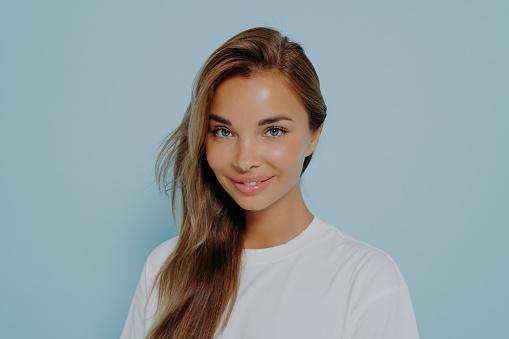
(372, 272)
(378, 297)
(158, 256)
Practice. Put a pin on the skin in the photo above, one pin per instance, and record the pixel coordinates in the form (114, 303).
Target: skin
(242, 142)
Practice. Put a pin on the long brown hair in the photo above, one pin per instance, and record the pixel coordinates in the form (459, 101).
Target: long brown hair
(198, 283)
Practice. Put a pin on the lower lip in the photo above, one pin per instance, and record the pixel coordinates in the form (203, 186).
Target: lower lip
(248, 189)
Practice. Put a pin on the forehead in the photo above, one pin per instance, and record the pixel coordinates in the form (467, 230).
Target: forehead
(257, 97)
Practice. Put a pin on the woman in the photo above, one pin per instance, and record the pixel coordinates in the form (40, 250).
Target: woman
(251, 260)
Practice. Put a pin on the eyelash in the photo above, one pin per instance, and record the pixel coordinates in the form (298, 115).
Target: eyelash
(281, 131)
(217, 130)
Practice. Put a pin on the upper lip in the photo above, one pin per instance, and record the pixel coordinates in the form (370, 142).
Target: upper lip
(251, 178)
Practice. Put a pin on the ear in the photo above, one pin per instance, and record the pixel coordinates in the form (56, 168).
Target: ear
(315, 137)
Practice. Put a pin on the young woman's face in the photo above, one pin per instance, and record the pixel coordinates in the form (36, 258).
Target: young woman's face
(258, 138)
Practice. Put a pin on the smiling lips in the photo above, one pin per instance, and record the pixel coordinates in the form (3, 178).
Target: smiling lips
(251, 184)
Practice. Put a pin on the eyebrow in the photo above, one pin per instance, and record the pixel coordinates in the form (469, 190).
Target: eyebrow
(273, 120)
(219, 119)
(267, 121)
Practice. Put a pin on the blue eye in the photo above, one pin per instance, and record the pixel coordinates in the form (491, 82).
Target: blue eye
(225, 132)
(222, 132)
(274, 132)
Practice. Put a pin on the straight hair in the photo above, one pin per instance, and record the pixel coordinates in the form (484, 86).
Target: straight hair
(197, 285)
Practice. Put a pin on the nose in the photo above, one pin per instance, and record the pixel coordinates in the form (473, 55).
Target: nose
(247, 155)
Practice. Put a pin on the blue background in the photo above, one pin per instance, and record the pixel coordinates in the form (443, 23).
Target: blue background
(413, 157)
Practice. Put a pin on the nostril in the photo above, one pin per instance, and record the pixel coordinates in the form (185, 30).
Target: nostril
(244, 164)
(246, 157)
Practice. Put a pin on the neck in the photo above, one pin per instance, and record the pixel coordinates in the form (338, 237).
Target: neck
(279, 223)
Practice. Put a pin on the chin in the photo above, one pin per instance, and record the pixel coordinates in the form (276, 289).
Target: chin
(252, 204)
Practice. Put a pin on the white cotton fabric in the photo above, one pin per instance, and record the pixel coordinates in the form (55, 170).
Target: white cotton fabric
(321, 284)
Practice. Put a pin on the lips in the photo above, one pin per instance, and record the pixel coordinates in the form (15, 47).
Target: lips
(251, 184)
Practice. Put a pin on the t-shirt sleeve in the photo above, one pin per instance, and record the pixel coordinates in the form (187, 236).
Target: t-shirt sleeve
(384, 309)
(134, 327)
(142, 309)
(389, 317)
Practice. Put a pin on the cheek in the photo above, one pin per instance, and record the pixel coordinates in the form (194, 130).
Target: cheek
(287, 155)
(216, 156)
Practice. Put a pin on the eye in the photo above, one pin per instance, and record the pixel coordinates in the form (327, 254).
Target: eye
(275, 132)
(222, 132)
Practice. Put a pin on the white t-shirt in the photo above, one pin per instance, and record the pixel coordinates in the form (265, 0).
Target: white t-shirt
(321, 284)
